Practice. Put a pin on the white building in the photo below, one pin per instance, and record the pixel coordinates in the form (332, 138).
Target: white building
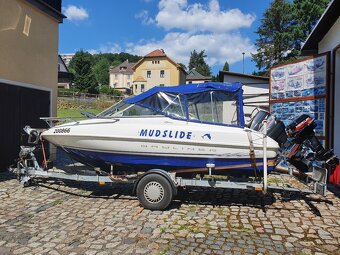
(255, 90)
(325, 38)
(67, 58)
(121, 77)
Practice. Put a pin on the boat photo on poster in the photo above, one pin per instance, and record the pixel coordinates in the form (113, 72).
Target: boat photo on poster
(300, 88)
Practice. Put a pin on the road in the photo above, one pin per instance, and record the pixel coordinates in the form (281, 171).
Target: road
(78, 218)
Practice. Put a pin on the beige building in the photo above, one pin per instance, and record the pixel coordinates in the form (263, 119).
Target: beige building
(121, 77)
(156, 69)
(29, 32)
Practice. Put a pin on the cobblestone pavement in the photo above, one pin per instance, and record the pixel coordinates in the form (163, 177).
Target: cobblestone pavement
(77, 218)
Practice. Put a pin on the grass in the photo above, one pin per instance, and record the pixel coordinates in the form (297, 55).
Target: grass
(163, 229)
(75, 113)
(57, 202)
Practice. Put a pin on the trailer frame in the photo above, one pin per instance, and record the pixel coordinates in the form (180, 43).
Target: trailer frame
(155, 188)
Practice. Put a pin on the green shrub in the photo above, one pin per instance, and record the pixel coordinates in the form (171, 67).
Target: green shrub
(105, 89)
(117, 93)
(66, 92)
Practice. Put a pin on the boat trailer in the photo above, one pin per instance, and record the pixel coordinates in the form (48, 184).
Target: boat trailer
(155, 188)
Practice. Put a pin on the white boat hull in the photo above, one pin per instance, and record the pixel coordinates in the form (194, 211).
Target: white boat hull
(161, 141)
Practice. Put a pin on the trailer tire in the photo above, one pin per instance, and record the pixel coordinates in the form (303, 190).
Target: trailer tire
(154, 192)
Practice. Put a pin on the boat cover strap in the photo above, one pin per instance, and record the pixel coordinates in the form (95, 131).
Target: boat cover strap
(251, 150)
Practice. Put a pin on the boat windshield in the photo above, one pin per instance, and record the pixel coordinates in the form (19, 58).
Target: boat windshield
(124, 109)
(217, 107)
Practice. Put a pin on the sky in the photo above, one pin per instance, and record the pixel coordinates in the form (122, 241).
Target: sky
(223, 28)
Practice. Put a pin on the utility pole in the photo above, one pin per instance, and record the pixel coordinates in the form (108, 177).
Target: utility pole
(243, 60)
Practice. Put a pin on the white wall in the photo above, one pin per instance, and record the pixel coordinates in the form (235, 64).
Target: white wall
(121, 81)
(337, 105)
(196, 81)
(331, 39)
(252, 93)
(328, 43)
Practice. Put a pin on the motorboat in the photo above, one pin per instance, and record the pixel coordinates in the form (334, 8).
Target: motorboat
(177, 128)
(182, 136)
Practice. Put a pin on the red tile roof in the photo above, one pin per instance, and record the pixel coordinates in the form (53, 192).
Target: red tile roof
(156, 53)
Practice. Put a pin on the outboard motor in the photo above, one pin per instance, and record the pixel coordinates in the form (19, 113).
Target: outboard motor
(304, 147)
(275, 127)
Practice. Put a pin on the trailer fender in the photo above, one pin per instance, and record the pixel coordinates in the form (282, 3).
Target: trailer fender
(160, 172)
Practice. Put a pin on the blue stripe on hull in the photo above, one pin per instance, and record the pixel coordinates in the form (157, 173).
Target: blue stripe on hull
(176, 162)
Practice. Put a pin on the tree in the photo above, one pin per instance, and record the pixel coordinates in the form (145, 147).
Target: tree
(226, 66)
(284, 27)
(306, 14)
(216, 78)
(275, 43)
(101, 71)
(81, 67)
(183, 66)
(197, 61)
(116, 63)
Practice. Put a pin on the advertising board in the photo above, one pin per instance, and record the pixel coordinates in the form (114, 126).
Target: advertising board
(299, 88)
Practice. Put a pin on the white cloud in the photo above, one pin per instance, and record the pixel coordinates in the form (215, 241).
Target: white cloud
(178, 14)
(218, 47)
(107, 48)
(144, 16)
(194, 27)
(75, 13)
(204, 27)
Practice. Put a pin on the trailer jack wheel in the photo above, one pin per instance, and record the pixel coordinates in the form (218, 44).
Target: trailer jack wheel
(154, 192)
(25, 181)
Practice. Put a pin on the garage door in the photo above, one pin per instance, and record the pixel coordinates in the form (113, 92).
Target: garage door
(19, 106)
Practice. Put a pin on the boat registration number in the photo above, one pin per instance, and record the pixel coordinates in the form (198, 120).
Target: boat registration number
(62, 130)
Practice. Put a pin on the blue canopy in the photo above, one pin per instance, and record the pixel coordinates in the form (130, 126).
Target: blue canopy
(147, 100)
(188, 89)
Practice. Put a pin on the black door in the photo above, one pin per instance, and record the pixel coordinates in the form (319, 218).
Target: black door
(19, 106)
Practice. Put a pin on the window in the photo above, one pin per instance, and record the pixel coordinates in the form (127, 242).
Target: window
(190, 82)
(136, 87)
(170, 104)
(128, 76)
(128, 84)
(116, 76)
(148, 74)
(215, 107)
(142, 88)
(162, 74)
(161, 85)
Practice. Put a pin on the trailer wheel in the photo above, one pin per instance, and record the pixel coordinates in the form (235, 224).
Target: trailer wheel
(154, 192)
